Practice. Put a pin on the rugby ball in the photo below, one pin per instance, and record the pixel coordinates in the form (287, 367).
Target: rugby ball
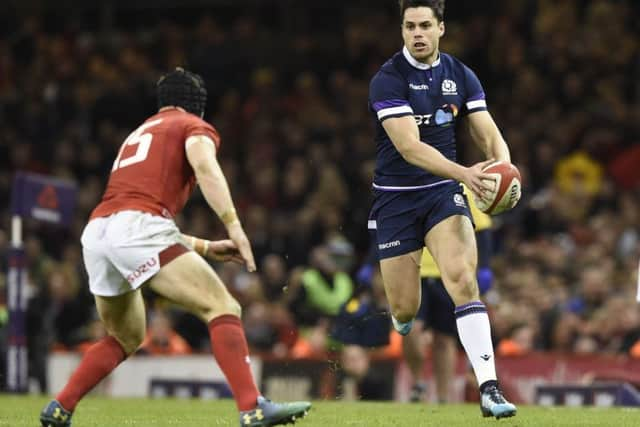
(506, 188)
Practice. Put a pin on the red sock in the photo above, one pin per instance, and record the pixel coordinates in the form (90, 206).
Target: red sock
(98, 362)
(230, 349)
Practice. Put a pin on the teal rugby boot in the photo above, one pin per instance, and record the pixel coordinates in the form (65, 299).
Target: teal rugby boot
(54, 415)
(268, 413)
(493, 404)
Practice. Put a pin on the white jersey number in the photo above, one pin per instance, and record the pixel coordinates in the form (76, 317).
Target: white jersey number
(139, 138)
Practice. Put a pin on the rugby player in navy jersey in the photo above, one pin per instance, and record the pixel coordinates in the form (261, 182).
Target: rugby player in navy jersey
(417, 97)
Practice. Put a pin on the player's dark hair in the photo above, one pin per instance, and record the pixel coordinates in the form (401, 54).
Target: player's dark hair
(181, 88)
(437, 6)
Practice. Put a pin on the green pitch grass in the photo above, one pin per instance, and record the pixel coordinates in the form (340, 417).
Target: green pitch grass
(16, 411)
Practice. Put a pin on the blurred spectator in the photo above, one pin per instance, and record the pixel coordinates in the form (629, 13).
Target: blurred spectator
(371, 384)
(319, 292)
(594, 288)
(324, 287)
(94, 331)
(274, 276)
(518, 342)
(161, 338)
(364, 327)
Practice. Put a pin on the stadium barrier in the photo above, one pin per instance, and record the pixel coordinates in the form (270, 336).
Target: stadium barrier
(142, 376)
(523, 378)
(599, 394)
(188, 389)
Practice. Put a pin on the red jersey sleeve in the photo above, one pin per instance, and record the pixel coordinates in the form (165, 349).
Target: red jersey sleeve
(197, 126)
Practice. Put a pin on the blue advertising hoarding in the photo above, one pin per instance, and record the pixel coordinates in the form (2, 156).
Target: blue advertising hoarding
(40, 198)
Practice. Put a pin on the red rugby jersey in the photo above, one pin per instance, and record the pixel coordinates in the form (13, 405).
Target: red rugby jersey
(152, 173)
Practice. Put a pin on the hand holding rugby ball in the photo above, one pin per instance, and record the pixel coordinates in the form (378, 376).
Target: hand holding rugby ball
(506, 189)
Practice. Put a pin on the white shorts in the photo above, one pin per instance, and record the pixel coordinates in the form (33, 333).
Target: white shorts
(125, 249)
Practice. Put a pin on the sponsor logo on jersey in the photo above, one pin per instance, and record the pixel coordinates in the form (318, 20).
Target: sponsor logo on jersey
(418, 87)
(150, 263)
(422, 119)
(449, 87)
(443, 116)
(389, 245)
(459, 200)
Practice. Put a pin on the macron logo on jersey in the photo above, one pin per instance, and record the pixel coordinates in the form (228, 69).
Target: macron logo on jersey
(418, 87)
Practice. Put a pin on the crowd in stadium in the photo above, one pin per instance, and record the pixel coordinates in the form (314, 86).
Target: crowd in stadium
(291, 107)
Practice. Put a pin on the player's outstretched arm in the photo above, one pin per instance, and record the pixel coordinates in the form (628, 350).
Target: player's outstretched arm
(485, 134)
(201, 154)
(215, 250)
(405, 136)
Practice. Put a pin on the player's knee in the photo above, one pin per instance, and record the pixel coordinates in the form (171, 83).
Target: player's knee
(462, 286)
(404, 316)
(232, 306)
(404, 312)
(131, 340)
(219, 308)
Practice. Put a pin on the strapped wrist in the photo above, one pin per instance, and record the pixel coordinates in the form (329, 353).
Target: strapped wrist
(200, 246)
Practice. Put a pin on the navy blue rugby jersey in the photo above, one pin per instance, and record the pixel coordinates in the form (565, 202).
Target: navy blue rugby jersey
(436, 96)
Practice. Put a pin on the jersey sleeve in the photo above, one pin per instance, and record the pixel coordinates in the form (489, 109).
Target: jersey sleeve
(388, 96)
(198, 127)
(475, 97)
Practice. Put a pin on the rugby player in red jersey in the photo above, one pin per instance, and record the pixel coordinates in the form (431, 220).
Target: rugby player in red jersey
(132, 240)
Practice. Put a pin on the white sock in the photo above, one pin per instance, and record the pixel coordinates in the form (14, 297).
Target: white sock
(475, 334)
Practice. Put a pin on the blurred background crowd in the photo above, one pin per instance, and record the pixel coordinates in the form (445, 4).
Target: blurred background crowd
(288, 84)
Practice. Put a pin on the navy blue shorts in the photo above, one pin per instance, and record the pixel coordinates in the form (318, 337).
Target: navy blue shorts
(437, 308)
(362, 324)
(402, 218)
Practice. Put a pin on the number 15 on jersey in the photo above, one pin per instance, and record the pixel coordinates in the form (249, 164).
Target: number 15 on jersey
(143, 142)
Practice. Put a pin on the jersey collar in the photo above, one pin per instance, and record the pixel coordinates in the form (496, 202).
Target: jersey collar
(419, 65)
